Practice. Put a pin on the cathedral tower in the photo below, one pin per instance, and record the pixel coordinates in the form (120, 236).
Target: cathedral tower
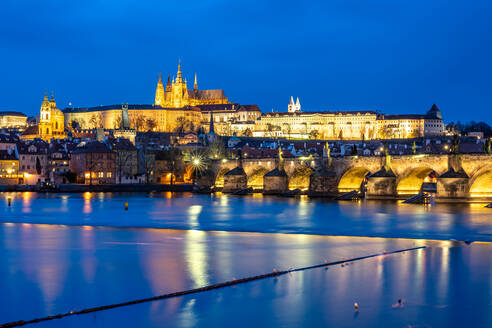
(294, 106)
(159, 92)
(177, 95)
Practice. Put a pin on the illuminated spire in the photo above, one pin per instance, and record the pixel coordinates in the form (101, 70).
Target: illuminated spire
(52, 96)
(159, 92)
(179, 77)
(45, 94)
(195, 85)
(168, 85)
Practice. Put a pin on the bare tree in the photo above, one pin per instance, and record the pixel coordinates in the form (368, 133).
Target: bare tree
(139, 122)
(313, 134)
(123, 161)
(183, 125)
(96, 121)
(151, 124)
(247, 132)
(117, 122)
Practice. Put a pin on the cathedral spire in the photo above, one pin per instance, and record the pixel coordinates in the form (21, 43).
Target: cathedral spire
(45, 94)
(168, 85)
(159, 92)
(52, 96)
(195, 85)
(179, 77)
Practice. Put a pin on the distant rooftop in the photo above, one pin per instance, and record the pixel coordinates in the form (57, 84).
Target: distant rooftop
(12, 113)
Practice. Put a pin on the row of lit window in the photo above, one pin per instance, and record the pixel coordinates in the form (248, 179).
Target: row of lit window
(97, 175)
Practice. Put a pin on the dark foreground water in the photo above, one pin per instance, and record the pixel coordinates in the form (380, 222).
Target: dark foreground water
(53, 259)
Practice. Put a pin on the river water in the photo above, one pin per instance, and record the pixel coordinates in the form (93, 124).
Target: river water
(60, 252)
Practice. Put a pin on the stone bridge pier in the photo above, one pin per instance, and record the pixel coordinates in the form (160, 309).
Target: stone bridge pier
(456, 176)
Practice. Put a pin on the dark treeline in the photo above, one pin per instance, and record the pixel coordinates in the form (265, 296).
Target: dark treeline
(472, 126)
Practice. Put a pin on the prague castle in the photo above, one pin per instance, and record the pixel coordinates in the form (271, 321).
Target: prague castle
(175, 108)
(177, 95)
(179, 109)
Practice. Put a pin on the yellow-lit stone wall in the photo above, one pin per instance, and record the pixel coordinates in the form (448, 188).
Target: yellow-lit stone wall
(322, 125)
(12, 121)
(163, 120)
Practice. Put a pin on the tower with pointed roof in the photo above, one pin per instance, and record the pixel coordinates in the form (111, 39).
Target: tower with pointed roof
(50, 123)
(159, 92)
(294, 106)
(177, 95)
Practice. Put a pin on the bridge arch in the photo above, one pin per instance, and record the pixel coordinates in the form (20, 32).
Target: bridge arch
(255, 178)
(299, 179)
(219, 179)
(411, 180)
(352, 179)
(481, 183)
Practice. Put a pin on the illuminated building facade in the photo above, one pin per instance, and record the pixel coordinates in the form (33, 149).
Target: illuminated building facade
(177, 95)
(50, 123)
(411, 126)
(12, 120)
(9, 168)
(338, 125)
(346, 125)
(93, 163)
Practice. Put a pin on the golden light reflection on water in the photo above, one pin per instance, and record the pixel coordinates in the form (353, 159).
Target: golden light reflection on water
(304, 208)
(443, 281)
(196, 257)
(87, 203)
(193, 214)
(89, 261)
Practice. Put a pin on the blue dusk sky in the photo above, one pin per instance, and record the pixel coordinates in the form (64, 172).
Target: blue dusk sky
(389, 55)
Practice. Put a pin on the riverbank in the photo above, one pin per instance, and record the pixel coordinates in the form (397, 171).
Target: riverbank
(77, 188)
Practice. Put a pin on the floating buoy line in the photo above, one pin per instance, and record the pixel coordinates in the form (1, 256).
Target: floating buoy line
(274, 273)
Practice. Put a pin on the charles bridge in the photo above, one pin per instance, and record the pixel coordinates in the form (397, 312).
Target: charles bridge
(455, 176)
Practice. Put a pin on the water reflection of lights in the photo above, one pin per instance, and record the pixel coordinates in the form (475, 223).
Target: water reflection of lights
(87, 203)
(444, 271)
(196, 256)
(304, 207)
(193, 213)
(26, 202)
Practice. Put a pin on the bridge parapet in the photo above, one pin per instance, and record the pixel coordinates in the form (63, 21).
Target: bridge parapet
(351, 172)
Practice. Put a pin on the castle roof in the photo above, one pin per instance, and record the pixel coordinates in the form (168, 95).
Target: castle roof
(12, 113)
(434, 113)
(108, 107)
(206, 94)
(249, 108)
(401, 117)
(119, 107)
(357, 112)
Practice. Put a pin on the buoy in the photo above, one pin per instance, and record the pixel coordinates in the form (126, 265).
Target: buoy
(9, 201)
(126, 206)
(356, 306)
